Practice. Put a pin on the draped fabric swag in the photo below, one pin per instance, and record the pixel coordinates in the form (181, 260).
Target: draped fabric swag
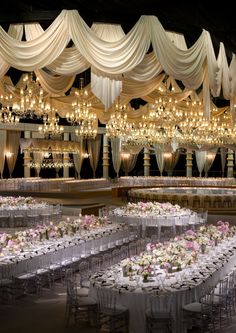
(110, 55)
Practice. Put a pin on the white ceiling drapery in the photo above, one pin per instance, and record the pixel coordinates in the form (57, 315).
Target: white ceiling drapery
(126, 56)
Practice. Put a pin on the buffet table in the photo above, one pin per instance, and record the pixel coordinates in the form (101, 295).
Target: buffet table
(184, 286)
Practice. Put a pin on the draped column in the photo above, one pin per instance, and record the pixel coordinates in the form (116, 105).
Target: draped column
(105, 157)
(146, 162)
(189, 163)
(27, 135)
(66, 158)
(230, 163)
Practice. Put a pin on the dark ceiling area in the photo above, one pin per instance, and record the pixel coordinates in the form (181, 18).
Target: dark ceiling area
(185, 17)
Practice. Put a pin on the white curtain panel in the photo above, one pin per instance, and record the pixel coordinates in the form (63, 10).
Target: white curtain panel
(3, 141)
(223, 154)
(79, 157)
(105, 88)
(12, 146)
(94, 146)
(38, 158)
(116, 154)
(48, 49)
(159, 158)
(128, 163)
(201, 156)
(209, 160)
(170, 161)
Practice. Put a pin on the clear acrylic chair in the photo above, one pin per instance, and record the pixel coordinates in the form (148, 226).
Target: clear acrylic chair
(202, 314)
(159, 314)
(81, 308)
(112, 317)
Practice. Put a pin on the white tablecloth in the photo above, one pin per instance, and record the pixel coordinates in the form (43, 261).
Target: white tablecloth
(45, 253)
(137, 300)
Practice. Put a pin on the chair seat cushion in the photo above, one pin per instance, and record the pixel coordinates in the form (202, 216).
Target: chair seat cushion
(82, 292)
(114, 312)
(193, 307)
(86, 301)
(158, 315)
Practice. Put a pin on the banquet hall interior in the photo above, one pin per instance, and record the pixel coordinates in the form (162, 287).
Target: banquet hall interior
(117, 164)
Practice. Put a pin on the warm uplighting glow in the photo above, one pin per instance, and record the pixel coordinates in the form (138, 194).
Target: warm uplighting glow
(8, 154)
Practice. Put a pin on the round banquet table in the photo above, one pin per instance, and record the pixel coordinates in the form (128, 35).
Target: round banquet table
(184, 219)
(192, 197)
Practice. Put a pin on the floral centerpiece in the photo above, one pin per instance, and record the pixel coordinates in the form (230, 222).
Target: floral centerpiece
(151, 208)
(20, 202)
(178, 253)
(21, 240)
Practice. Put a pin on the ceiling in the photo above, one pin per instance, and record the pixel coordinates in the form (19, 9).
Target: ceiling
(180, 16)
(186, 17)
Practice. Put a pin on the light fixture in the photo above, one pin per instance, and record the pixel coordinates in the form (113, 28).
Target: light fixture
(86, 155)
(8, 154)
(30, 103)
(7, 117)
(50, 127)
(50, 162)
(82, 114)
(118, 124)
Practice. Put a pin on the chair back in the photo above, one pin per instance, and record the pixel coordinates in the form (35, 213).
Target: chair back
(106, 299)
(161, 304)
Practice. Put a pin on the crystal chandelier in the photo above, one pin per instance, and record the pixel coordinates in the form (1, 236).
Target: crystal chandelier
(82, 115)
(50, 162)
(118, 125)
(30, 104)
(50, 127)
(7, 117)
(88, 128)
